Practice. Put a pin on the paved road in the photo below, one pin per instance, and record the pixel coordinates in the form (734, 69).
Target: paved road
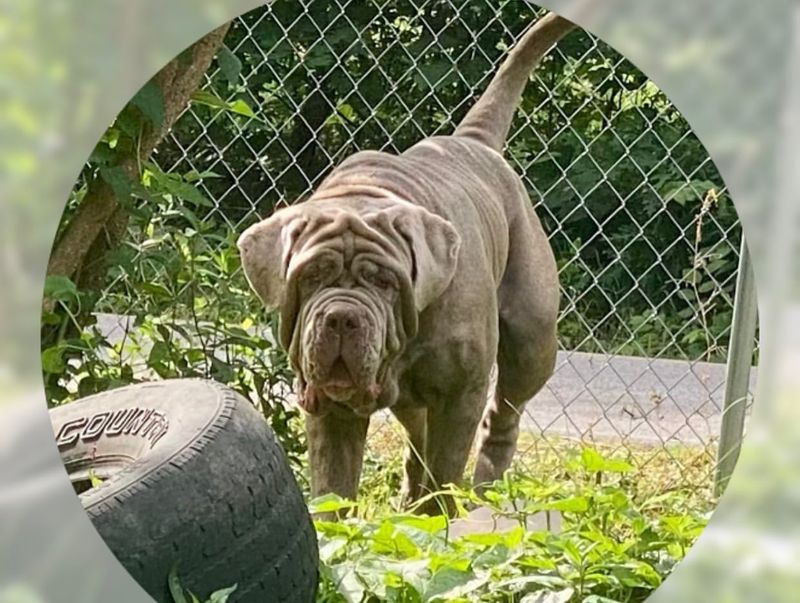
(642, 400)
(611, 397)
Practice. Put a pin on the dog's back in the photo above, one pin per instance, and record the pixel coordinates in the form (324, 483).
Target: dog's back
(463, 177)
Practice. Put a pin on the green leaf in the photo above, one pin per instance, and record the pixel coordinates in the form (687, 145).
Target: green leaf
(448, 583)
(157, 290)
(209, 99)
(94, 480)
(51, 319)
(173, 184)
(159, 353)
(575, 504)
(433, 524)
(111, 137)
(573, 553)
(175, 588)
(432, 74)
(194, 175)
(53, 360)
(150, 101)
(594, 462)
(221, 596)
(220, 371)
(60, 288)
(188, 192)
(347, 583)
(242, 108)
(691, 275)
(561, 596)
(487, 539)
(102, 154)
(229, 65)
(347, 111)
(493, 557)
(546, 581)
(319, 58)
(118, 180)
(165, 333)
(390, 541)
(129, 123)
(330, 503)
(337, 529)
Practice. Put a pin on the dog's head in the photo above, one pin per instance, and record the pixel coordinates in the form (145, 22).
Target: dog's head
(349, 279)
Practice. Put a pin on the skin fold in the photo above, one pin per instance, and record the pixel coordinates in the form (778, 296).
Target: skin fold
(402, 281)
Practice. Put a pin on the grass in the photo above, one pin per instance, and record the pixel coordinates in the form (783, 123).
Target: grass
(628, 516)
(685, 471)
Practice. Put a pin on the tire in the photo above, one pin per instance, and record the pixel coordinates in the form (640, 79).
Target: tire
(192, 475)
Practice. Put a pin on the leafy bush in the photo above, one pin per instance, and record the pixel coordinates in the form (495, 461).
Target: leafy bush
(177, 306)
(611, 547)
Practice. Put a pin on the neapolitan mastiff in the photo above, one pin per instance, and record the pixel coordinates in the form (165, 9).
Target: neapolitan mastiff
(402, 280)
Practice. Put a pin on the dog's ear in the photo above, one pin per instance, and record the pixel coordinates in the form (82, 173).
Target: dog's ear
(434, 244)
(266, 249)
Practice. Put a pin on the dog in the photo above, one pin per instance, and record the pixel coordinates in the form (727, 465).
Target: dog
(402, 281)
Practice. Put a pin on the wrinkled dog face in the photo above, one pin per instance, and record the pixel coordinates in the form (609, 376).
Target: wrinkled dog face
(349, 325)
(349, 281)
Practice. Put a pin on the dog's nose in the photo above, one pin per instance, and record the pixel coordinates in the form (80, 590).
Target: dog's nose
(342, 319)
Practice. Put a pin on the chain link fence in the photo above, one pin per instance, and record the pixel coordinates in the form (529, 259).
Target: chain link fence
(643, 228)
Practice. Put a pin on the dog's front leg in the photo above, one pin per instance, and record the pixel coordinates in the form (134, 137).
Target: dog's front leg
(336, 451)
(414, 420)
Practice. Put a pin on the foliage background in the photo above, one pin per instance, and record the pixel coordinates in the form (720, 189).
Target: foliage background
(643, 228)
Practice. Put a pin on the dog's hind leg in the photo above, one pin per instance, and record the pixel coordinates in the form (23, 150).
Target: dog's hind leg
(528, 309)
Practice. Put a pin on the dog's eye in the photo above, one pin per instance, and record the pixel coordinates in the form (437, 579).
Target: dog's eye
(311, 275)
(380, 278)
(316, 273)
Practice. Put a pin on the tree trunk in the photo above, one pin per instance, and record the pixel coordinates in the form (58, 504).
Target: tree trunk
(100, 221)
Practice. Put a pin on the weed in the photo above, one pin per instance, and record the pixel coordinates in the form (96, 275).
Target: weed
(612, 546)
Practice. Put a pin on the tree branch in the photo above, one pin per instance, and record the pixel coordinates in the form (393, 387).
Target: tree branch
(177, 81)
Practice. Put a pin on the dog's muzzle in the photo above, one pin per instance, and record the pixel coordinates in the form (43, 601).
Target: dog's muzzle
(341, 352)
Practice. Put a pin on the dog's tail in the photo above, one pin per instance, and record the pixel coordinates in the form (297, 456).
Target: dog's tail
(490, 118)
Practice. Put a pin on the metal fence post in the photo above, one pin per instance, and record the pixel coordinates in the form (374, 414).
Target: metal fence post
(740, 360)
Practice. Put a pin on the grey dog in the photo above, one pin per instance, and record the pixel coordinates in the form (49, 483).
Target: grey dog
(402, 281)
